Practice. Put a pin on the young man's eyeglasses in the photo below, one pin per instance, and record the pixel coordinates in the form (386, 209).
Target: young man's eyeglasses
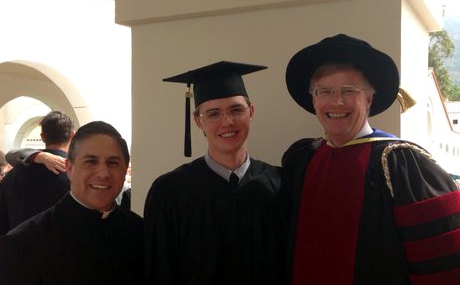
(217, 115)
(344, 91)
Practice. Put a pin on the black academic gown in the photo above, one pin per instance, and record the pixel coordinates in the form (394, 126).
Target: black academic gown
(70, 244)
(401, 236)
(27, 190)
(199, 231)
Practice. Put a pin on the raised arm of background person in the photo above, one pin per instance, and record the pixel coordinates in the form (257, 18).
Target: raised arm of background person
(20, 155)
(26, 156)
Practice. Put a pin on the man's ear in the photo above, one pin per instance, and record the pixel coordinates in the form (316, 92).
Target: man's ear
(68, 168)
(197, 121)
(370, 97)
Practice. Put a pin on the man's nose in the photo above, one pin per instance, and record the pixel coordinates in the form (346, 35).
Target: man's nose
(227, 118)
(102, 170)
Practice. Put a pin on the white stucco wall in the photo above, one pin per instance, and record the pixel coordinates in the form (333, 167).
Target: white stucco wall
(414, 75)
(175, 41)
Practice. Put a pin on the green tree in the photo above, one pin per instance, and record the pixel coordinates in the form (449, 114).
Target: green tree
(441, 47)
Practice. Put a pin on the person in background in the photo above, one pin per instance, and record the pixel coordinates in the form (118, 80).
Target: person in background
(86, 238)
(369, 207)
(217, 219)
(26, 191)
(4, 166)
(124, 199)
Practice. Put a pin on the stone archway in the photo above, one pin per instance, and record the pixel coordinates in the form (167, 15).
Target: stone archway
(40, 82)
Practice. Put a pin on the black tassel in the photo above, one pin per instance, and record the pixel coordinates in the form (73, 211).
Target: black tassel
(188, 139)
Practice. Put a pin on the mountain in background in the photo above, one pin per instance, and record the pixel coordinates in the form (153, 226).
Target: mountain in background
(452, 27)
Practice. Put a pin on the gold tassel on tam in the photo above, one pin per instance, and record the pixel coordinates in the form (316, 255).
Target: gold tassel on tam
(405, 100)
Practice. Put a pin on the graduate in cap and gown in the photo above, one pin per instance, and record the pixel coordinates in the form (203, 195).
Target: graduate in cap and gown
(217, 219)
(369, 208)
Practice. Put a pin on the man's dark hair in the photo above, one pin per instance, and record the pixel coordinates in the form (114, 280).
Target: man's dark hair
(97, 128)
(57, 128)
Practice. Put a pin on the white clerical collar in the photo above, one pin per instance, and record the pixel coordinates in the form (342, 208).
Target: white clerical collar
(366, 130)
(105, 214)
(224, 172)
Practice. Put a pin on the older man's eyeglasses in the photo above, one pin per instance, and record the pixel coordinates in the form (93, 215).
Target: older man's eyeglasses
(345, 91)
(216, 115)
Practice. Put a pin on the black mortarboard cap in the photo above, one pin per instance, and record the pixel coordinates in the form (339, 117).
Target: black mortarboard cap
(214, 81)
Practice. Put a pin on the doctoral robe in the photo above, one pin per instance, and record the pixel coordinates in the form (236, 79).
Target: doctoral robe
(361, 219)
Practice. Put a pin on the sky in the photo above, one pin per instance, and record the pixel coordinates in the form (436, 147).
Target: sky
(452, 7)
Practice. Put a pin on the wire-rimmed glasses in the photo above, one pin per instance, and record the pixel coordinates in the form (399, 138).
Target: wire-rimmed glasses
(216, 115)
